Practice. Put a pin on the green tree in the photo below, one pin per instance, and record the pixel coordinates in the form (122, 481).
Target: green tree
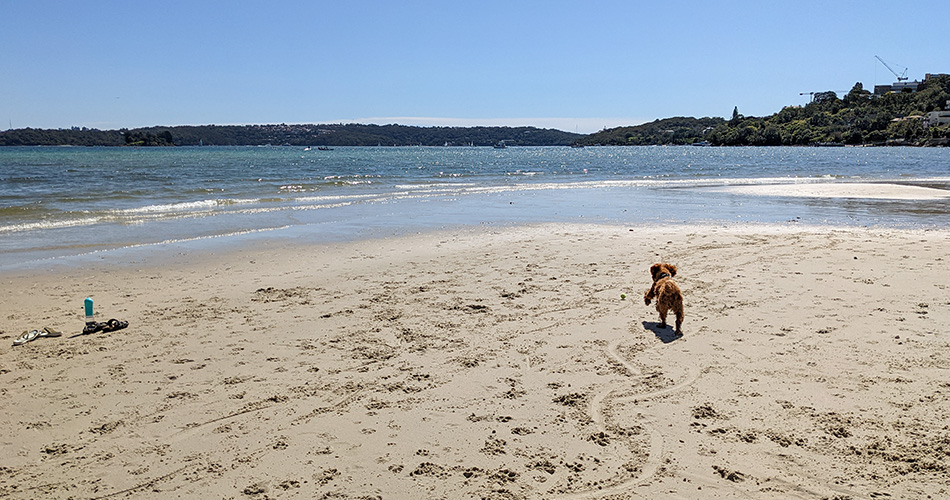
(857, 96)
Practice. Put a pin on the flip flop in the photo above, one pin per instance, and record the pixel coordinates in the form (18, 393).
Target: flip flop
(27, 337)
(49, 332)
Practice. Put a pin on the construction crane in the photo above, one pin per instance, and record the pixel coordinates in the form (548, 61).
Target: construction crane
(901, 77)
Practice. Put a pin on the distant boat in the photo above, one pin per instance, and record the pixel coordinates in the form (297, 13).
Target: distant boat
(324, 148)
(306, 148)
(500, 145)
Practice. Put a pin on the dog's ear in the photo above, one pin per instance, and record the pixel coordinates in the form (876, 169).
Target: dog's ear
(672, 269)
(655, 268)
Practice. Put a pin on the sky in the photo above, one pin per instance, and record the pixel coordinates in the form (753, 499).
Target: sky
(578, 66)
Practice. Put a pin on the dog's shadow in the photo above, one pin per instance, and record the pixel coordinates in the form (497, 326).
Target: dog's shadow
(666, 335)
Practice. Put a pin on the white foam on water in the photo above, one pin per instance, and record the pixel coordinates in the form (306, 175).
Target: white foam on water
(187, 206)
(34, 226)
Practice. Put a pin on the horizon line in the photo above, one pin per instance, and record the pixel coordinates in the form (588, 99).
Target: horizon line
(564, 124)
(583, 126)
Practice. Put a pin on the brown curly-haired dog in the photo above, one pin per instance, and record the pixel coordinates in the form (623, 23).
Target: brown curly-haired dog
(667, 294)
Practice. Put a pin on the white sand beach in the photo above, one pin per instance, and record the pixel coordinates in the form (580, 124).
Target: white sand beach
(490, 364)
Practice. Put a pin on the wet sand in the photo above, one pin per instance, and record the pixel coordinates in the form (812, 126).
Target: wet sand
(863, 190)
(490, 364)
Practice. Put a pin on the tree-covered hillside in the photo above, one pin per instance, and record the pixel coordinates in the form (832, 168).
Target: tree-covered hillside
(61, 137)
(297, 135)
(858, 118)
(679, 130)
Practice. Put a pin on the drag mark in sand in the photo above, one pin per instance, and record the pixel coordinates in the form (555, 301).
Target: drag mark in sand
(145, 484)
(345, 400)
(654, 459)
(260, 405)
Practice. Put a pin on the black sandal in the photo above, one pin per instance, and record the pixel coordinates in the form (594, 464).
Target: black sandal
(113, 325)
(109, 326)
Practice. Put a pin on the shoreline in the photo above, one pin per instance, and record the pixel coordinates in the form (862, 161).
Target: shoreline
(497, 363)
(209, 248)
(879, 205)
(932, 143)
(361, 193)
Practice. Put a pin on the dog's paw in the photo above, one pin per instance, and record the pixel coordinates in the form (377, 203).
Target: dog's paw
(646, 300)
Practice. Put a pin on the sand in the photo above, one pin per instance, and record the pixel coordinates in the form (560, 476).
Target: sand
(863, 190)
(490, 363)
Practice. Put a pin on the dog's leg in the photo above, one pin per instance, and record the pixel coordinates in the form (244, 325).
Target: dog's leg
(662, 316)
(678, 310)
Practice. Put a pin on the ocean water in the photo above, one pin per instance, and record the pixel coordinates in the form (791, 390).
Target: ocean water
(62, 202)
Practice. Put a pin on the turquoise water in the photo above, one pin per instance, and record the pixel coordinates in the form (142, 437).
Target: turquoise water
(59, 202)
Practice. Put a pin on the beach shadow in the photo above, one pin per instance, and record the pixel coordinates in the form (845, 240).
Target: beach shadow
(665, 335)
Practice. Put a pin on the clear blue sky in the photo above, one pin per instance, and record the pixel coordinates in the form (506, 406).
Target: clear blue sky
(573, 65)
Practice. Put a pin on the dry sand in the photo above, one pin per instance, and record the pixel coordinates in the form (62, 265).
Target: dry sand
(491, 364)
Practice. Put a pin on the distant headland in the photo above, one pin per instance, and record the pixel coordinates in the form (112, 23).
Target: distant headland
(291, 135)
(917, 115)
